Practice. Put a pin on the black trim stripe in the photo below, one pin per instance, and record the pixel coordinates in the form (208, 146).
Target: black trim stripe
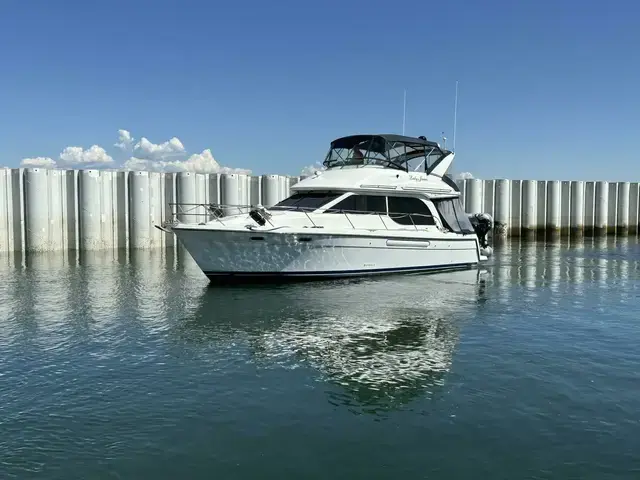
(471, 237)
(268, 277)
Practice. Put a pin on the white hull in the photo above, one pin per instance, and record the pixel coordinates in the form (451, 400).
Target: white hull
(221, 253)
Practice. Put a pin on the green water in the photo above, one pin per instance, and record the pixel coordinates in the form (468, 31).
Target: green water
(131, 366)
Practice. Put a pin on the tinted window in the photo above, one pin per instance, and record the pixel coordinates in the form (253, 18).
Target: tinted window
(346, 205)
(375, 204)
(360, 204)
(305, 201)
(409, 211)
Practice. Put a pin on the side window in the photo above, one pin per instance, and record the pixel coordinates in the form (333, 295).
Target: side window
(360, 204)
(409, 211)
(346, 205)
(371, 204)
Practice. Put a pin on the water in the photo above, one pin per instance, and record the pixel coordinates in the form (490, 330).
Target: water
(116, 366)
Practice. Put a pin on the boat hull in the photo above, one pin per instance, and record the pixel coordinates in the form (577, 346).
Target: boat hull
(252, 256)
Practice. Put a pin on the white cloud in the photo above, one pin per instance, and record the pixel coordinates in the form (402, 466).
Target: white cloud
(205, 163)
(42, 162)
(74, 156)
(140, 164)
(311, 169)
(152, 151)
(464, 176)
(125, 140)
(169, 156)
(196, 163)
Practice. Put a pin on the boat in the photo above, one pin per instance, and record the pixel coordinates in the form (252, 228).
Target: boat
(382, 204)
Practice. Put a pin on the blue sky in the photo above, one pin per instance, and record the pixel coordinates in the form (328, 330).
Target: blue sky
(548, 89)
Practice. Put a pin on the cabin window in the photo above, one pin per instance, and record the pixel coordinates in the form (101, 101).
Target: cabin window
(307, 201)
(361, 204)
(453, 215)
(410, 211)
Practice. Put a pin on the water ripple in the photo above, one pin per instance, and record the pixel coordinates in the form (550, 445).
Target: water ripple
(122, 365)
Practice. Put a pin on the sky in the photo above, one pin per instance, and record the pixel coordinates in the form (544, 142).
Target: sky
(548, 90)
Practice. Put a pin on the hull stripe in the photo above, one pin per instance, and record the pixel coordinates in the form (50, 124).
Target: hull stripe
(338, 273)
(455, 237)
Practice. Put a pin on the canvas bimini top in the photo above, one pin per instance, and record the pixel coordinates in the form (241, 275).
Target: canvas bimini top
(409, 154)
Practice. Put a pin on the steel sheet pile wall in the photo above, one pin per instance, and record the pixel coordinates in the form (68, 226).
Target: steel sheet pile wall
(11, 210)
(548, 208)
(52, 210)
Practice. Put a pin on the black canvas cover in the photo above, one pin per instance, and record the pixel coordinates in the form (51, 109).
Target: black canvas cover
(453, 215)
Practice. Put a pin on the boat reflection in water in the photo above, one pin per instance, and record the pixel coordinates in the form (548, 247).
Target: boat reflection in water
(381, 342)
(374, 344)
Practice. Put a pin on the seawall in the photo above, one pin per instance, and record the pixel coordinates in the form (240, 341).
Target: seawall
(53, 210)
(550, 208)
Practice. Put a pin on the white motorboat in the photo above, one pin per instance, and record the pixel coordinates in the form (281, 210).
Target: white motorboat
(383, 204)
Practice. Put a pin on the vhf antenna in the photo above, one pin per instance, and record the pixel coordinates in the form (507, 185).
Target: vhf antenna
(455, 118)
(404, 111)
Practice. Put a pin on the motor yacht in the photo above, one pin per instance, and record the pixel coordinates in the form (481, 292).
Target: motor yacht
(382, 204)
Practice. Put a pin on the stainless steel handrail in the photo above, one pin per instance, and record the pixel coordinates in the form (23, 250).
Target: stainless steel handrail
(215, 211)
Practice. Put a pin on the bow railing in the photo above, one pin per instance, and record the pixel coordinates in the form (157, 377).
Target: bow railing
(202, 213)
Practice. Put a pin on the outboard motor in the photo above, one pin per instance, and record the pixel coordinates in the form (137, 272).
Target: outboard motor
(482, 224)
(260, 215)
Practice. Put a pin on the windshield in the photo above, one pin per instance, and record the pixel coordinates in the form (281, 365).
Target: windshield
(306, 201)
(354, 156)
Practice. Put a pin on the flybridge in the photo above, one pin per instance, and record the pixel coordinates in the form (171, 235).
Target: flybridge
(409, 154)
